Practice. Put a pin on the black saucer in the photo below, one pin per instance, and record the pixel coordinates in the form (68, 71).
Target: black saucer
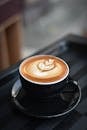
(59, 105)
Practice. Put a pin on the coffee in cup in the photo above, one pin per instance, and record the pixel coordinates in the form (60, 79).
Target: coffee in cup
(43, 75)
(44, 69)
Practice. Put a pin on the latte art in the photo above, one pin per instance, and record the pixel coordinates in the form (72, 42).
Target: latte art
(44, 69)
(46, 65)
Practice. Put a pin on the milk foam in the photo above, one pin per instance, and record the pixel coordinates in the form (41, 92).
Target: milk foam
(44, 69)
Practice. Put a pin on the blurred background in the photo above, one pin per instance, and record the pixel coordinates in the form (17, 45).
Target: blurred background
(45, 21)
(41, 23)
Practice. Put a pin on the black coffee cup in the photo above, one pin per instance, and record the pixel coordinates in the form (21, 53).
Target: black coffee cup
(40, 90)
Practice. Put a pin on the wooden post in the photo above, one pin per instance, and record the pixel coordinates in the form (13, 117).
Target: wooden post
(4, 56)
(14, 41)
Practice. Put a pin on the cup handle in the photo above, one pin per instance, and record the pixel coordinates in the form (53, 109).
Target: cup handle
(70, 80)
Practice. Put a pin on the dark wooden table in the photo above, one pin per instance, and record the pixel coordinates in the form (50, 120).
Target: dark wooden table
(71, 48)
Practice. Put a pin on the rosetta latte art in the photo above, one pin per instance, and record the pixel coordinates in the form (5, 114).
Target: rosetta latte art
(44, 69)
(46, 65)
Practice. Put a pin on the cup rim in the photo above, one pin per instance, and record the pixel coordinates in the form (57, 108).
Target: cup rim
(43, 83)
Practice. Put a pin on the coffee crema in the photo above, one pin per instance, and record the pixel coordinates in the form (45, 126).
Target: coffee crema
(44, 69)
